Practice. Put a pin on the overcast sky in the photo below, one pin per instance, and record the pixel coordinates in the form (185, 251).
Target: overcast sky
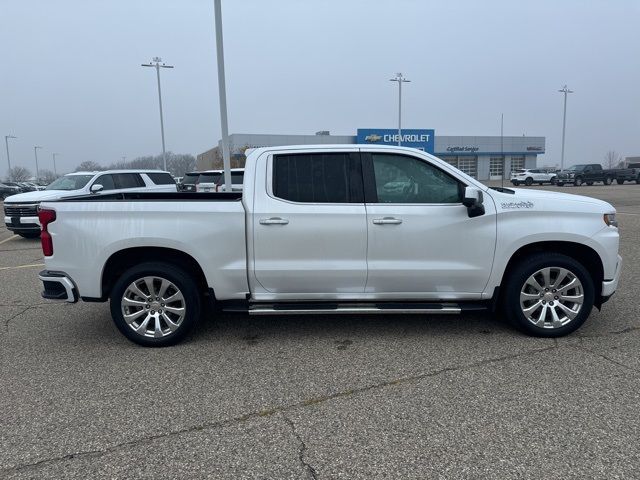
(71, 80)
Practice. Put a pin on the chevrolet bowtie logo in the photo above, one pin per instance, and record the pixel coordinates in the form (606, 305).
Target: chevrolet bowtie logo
(372, 138)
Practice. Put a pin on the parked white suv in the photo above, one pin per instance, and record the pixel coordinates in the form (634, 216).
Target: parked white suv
(213, 180)
(531, 176)
(21, 211)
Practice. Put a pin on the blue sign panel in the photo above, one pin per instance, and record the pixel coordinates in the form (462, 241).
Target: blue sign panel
(415, 138)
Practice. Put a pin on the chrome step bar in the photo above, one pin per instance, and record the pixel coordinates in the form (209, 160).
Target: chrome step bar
(340, 309)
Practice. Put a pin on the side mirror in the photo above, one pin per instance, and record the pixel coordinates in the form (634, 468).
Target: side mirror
(473, 199)
(96, 187)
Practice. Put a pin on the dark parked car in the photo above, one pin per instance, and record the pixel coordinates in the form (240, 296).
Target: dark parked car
(189, 182)
(7, 190)
(590, 173)
(20, 188)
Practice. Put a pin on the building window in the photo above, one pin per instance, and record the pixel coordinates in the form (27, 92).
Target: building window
(469, 165)
(517, 163)
(495, 168)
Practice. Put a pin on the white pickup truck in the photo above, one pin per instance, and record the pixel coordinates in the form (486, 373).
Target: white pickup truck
(334, 229)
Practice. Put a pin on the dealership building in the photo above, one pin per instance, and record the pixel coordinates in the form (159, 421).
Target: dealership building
(480, 157)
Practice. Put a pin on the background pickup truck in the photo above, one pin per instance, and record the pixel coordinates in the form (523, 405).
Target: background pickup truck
(334, 229)
(593, 172)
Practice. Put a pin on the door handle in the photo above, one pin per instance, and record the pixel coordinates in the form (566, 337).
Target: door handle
(273, 221)
(387, 221)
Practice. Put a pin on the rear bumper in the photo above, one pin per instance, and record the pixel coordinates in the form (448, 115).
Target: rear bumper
(58, 286)
(610, 286)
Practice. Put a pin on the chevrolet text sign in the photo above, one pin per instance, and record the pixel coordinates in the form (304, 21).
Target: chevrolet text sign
(414, 138)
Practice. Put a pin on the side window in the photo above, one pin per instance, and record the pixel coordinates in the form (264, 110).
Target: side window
(404, 179)
(128, 180)
(106, 181)
(318, 178)
(161, 178)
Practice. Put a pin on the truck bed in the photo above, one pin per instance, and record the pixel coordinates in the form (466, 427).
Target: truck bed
(156, 196)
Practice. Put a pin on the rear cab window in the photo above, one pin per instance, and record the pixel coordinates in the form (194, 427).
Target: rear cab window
(318, 177)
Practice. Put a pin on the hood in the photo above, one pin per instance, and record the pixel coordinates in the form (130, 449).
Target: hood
(41, 196)
(548, 200)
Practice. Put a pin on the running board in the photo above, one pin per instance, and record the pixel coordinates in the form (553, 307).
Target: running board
(363, 308)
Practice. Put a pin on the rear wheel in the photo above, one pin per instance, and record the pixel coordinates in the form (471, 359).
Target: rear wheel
(155, 304)
(548, 295)
(528, 181)
(608, 181)
(516, 182)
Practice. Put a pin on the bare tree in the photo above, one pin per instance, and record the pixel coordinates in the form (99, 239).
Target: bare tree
(612, 159)
(19, 174)
(89, 166)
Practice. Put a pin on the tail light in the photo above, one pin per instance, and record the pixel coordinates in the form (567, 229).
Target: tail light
(46, 216)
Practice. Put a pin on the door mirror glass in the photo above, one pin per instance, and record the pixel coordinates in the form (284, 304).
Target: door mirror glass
(473, 199)
(96, 187)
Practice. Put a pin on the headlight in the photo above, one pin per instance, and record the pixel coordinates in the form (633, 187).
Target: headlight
(610, 219)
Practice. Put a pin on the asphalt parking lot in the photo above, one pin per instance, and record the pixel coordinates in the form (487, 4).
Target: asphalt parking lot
(319, 397)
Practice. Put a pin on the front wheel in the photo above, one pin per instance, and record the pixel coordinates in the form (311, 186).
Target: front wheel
(548, 295)
(528, 182)
(155, 304)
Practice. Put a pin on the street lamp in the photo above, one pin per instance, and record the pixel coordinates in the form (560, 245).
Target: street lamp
(157, 64)
(564, 90)
(6, 143)
(400, 79)
(35, 152)
(55, 171)
(222, 93)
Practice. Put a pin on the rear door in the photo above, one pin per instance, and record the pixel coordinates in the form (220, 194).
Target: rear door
(309, 229)
(421, 242)
(128, 182)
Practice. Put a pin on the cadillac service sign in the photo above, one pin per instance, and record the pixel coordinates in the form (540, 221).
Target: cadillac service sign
(414, 138)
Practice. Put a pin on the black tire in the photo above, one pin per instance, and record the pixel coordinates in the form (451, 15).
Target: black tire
(619, 181)
(516, 183)
(577, 182)
(553, 180)
(608, 181)
(29, 234)
(540, 183)
(560, 184)
(589, 183)
(521, 272)
(528, 181)
(180, 279)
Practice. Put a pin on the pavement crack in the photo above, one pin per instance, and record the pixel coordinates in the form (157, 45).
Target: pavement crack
(301, 449)
(6, 323)
(605, 357)
(281, 409)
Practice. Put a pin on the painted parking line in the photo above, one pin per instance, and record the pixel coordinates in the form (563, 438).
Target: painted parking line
(7, 239)
(32, 265)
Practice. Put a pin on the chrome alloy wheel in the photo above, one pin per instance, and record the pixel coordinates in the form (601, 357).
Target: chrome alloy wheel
(551, 297)
(153, 307)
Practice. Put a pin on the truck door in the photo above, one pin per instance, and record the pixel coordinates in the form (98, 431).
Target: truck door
(421, 242)
(309, 229)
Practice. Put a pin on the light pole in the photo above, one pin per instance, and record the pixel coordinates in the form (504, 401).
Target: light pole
(222, 93)
(157, 64)
(564, 90)
(55, 171)
(35, 152)
(400, 79)
(6, 143)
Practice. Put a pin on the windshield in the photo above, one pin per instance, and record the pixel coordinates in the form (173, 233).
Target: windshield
(190, 178)
(70, 182)
(576, 167)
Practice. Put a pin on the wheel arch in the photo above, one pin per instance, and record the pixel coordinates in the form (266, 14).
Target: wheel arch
(122, 260)
(584, 254)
